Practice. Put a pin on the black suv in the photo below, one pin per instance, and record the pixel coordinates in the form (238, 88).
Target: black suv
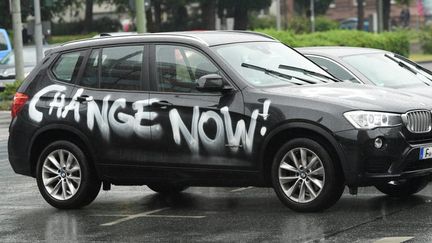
(173, 110)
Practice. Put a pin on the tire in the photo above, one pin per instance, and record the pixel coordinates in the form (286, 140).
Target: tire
(70, 183)
(405, 188)
(293, 182)
(167, 188)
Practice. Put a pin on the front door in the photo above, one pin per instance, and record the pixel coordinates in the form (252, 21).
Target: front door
(197, 129)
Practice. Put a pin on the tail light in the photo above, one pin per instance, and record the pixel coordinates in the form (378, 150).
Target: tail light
(18, 103)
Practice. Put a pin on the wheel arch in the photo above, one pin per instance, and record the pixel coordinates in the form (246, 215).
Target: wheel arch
(49, 134)
(299, 129)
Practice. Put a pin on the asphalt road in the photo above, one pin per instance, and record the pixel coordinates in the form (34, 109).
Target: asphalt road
(204, 214)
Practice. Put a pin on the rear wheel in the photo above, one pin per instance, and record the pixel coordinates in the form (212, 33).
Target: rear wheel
(167, 188)
(404, 188)
(304, 176)
(64, 176)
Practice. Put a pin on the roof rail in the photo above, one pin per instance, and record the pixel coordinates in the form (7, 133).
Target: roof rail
(252, 33)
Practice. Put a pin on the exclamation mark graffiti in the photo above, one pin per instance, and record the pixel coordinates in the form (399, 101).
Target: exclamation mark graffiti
(265, 115)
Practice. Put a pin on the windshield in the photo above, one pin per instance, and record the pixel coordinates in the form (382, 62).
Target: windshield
(268, 55)
(3, 42)
(29, 55)
(383, 71)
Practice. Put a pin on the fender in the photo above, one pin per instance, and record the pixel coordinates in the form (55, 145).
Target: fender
(66, 128)
(300, 124)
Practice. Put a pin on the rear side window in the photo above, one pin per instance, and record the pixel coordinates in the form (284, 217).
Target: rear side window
(67, 66)
(121, 68)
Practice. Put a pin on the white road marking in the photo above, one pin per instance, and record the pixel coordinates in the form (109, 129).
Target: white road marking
(149, 214)
(394, 239)
(242, 189)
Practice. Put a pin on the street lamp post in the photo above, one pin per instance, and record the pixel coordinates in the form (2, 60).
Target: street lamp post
(18, 41)
(140, 16)
(278, 15)
(312, 15)
(38, 37)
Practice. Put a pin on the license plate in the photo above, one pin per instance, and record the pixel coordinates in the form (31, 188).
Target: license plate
(426, 153)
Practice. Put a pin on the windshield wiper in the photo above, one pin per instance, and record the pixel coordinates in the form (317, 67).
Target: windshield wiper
(417, 66)
(401, 64)
(404, 65)
(308, 72)
(277, 74)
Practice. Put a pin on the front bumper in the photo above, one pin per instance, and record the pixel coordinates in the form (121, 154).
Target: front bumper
(399, 157)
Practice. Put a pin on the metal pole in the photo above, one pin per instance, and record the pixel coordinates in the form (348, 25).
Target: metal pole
(18, 41)
(38, 37)
(380, 10)
(312, 15)
(278, 15)
(140, 16)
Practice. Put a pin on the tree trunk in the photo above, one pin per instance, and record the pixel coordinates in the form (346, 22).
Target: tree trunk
(158, 15)
(240, 16)
(88, 20)
(150, 22)
(360, 14)
(208, 12)
(386, 15)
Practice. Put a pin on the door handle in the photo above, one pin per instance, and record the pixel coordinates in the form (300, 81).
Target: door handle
(84, 98)
(162, 104)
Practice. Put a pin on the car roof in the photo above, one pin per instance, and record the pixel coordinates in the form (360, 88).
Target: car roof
(207, 38)
(338, 51)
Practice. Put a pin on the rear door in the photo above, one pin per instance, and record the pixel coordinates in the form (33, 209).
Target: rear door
(113, 102)
(197, 129)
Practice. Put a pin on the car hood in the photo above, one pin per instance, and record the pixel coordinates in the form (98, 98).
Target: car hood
(357, 97)
(422, 90)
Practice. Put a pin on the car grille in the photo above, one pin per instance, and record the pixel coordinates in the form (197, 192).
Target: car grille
(418, 121)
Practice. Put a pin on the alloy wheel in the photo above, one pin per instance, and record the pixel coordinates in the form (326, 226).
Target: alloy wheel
(301, 175)
(61, 174)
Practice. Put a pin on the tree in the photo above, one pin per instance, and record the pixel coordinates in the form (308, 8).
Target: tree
(208, 13)
(360, 14)
(303, 6)
(239, 9)
(386, 14)
(88, 19)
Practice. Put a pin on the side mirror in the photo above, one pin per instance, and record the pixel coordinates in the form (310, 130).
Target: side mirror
(211, 83)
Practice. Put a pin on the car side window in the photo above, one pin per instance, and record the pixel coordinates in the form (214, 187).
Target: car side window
(178, 68)
(67, 66)
(333, 68)
(90, 77)
(121, 67)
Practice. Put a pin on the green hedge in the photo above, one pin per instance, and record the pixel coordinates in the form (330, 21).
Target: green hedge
(397, 42)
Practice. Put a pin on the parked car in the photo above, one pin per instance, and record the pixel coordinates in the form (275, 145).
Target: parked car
(372, 66)
(7, 66)
(351, 24)
(174, 110)
(5, 44)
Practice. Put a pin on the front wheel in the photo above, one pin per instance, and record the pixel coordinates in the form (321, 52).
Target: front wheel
(64, 176)
(304, 176)
(403, 188)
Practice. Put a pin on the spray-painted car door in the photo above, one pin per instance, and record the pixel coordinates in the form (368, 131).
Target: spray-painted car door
(115, 104)
(197, 129)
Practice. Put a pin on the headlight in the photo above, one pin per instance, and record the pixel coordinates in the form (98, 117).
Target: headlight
(371, 120)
